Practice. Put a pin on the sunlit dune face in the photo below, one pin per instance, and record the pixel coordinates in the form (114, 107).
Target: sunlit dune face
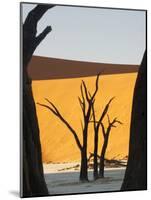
(58, 144)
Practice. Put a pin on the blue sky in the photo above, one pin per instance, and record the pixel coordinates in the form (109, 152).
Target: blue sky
(92, 34)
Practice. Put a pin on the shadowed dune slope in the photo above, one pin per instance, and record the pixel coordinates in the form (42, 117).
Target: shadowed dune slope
(58, 144)
(43, 68)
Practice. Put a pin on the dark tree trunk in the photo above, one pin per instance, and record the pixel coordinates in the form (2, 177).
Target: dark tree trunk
(102, 156)
(97, 125)
(32, 161)
(84, 162)
(95, 172)
(83, 169)
(33, 178)
(101, 169)
(136, 172)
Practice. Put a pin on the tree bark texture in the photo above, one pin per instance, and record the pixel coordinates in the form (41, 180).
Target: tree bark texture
(136, 172)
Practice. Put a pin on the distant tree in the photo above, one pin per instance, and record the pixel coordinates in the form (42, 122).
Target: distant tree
(33, 178)
(86, 101)
(96, 125)
(136, 171)
(106, 134)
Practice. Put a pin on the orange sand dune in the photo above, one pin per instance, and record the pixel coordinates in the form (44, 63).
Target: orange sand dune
(58, 144)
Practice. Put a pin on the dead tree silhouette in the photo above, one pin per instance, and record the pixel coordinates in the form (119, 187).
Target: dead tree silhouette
(86, 101)
(136, 171)
(33, 178)
(106, 134)
(96, 125)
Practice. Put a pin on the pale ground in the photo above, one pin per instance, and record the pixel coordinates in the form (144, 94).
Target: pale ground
(67, 181)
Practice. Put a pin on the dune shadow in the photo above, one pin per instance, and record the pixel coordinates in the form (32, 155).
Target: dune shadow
(42, 68)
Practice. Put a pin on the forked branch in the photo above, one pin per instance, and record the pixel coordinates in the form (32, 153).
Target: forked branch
(113, 122)
(102, 115)
(42, 35)
(89, 97)
(105, 110)
(96, 87)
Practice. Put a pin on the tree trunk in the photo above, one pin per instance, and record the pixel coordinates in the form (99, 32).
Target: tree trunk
(83, 169)
(84, 164)
(33, 178)
(101, 168)
(136, 172)
(95, 172)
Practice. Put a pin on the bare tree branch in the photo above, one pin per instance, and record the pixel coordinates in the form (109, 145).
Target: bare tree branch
(103, 129)
(105, 109)
(89, 94)
(119, 122)
(112, 124)
(97, 86)
(108, 119)
(42, 35)
(83, 101)
(81, 88)
(86, 91)
(115, 121)
(93, 115)
(55, 111)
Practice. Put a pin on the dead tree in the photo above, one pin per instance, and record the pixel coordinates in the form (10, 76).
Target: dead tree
(136, 171)
(106, 134)
(96, 125)
(86, 101)
(33, 178)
